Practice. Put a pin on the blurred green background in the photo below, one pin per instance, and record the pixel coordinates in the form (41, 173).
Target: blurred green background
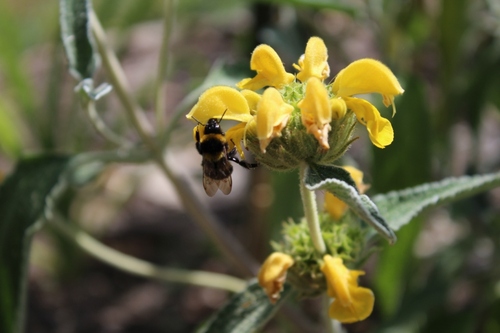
(443, 275)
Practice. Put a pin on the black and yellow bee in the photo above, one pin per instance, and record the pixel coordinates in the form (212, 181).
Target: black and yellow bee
(214, 149)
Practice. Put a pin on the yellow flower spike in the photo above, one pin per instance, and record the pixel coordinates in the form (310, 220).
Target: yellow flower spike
(313, 63)
(272, 116)
(336, 207)
(218, 101)
(272, 274)
(316, 111)
(351, 302)
(270, 70)
(367, 76)
(379, 129)
(252, 98)
(234, 137)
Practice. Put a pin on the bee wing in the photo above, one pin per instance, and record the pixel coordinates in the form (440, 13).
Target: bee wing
(225, 185)
(210, 185)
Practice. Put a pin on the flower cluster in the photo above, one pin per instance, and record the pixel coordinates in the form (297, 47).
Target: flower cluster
(288, 121)
(311, 273)
(301, 118)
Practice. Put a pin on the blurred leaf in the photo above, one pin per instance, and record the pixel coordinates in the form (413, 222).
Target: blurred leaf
(23, 199)
(10, 137)
(407, 161)
(14, 70)
(77, 38)
(399, 207)
(325, 178)
(452, 24)
(392, 269)
(246, 311)
(339, 5)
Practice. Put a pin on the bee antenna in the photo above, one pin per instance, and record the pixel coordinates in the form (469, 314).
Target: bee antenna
(199, 123)
(222, 116)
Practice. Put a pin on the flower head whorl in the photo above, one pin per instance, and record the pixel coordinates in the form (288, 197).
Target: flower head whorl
(301, 119)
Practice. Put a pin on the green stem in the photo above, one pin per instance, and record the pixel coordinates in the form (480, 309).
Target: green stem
(101, 127)
(332, 325)
(169, 11)
(143, 268)
(207, 221)
(119, 80)
(311, 212)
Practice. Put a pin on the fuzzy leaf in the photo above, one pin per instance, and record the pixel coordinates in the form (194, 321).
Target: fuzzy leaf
(400, 207)
(23, 199)
(246, 311)
(77, 38)
(326, 178)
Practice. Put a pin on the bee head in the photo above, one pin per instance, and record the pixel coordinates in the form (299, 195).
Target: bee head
(212, 126)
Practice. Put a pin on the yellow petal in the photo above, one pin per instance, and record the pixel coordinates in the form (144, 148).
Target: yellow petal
(234, 137)
(351, 303)
(218, 101)
(380, 132)
(316, 111)
(334, 206)
(339, 108)
(360, 309)
(252, 99)
(314, 62)
(379, 129)
(367, 76)
(272, 116)
(337, 279)
(270, 70)
(357, 176)
(272, 274)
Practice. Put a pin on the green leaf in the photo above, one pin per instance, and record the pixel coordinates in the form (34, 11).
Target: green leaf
(326, 178)
(399, 207)
(77, 38)
(338, 5)
(245, 312)
(23, 198)
(10, 137)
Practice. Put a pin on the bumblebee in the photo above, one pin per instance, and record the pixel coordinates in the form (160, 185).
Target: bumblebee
(213, 147)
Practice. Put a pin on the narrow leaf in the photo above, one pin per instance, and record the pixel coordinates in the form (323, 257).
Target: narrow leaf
(324, 178)
(23, 198)
(399, 207)
(338, 5)
(77, 38)
(245, 312)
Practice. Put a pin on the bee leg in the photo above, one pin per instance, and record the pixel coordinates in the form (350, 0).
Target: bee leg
(231, 156)
(198, 146)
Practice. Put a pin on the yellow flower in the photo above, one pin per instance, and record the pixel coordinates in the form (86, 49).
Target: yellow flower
(272, 116)
(272, 274)
(218, 101)
(351, 302)
(252, 98)
(316, 111)
(367, 76)
(235, 135)
(270, 71)
(336, 207)
(313, 63)
(326, 111)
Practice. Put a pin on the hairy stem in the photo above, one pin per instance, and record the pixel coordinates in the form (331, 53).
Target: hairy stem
(224, 241)
(101, 127)
(143, 268)
(168, 23)
(311, 212)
